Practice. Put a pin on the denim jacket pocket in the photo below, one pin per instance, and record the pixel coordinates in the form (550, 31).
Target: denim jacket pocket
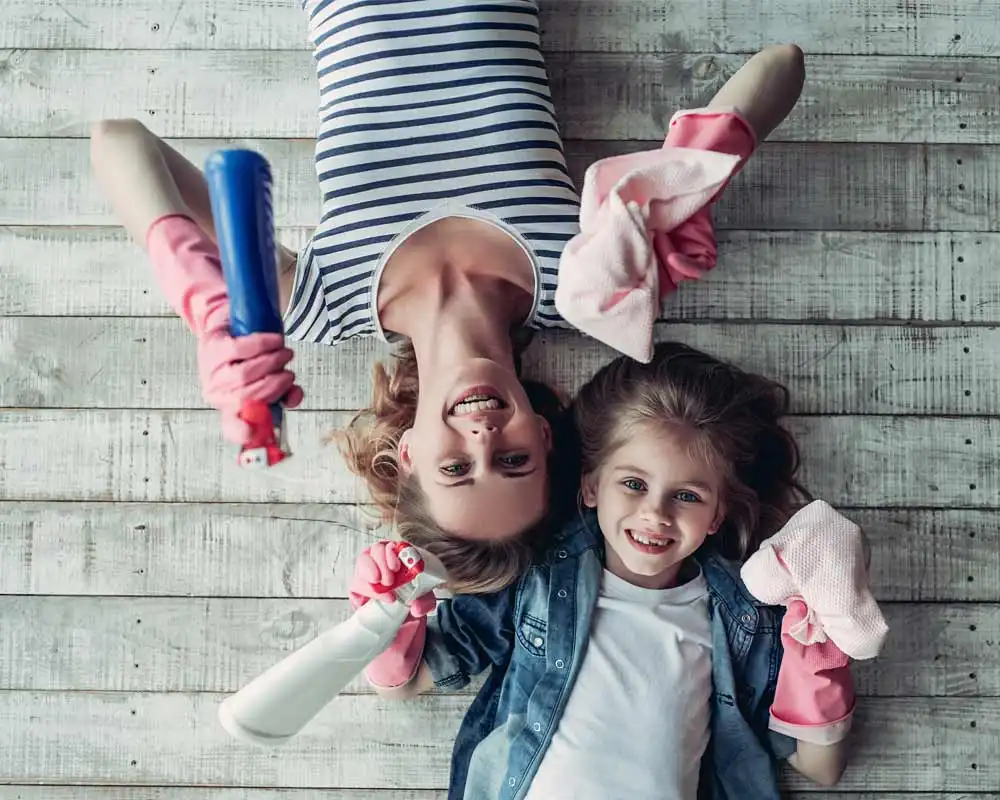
(532, 634)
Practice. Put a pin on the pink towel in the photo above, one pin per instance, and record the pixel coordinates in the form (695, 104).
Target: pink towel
(645, 227)
(819, 556)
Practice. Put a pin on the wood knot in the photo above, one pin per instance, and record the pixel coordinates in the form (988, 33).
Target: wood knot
(291, 628)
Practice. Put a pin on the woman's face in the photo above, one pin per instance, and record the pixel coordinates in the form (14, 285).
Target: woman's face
(478, 451)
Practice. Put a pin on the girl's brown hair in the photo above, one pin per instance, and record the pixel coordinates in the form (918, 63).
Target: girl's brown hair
(369, 445)
(735, 416)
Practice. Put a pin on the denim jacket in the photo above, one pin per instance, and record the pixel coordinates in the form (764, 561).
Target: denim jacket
(534, 635)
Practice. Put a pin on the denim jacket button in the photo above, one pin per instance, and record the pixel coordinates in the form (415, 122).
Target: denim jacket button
(537, 727)
(747, 618)
(511, 782)
(562, 554)
(562, 593)
(560, 663)
(538, 642)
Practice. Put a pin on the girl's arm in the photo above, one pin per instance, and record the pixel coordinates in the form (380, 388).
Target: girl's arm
(442, 643)
(821, 763)
(420, 683)
(144, 179)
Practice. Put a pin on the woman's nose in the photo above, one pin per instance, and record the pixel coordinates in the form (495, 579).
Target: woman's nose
(481, 427)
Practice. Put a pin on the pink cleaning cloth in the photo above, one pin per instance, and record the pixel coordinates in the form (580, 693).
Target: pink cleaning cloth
(819, 556)
(645, 227)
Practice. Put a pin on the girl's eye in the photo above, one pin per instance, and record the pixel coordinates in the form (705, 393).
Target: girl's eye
(454, 470)
(515, 460)
(688, 497)
(633, 484)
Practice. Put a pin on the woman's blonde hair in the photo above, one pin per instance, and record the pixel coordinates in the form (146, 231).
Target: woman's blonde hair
(734, 415)
(370, 446)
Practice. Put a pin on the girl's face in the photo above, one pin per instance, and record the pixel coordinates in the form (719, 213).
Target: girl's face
(656, 502)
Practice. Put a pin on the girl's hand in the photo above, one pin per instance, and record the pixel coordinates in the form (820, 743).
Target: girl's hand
(375, 574)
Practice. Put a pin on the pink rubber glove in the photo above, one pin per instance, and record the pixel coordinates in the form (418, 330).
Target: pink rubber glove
(374, 573)
(689, 250)
(814, 699)
(232, 370)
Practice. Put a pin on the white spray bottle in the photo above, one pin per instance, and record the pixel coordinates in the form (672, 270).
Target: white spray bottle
(276, 705)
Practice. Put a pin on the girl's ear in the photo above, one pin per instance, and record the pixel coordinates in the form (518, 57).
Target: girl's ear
(588, 489)
(403, 452)
(720, 517)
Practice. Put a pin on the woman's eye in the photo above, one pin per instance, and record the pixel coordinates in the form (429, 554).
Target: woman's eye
(454, 470)
(633, 484)
(688, 497)
(516, 460)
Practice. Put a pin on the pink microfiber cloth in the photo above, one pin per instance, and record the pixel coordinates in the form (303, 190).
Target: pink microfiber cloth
(819, 556)
(645, 227)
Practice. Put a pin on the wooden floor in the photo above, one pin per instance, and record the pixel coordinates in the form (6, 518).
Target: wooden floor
(142, 577)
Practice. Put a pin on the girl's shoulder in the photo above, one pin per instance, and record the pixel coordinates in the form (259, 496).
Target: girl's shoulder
(731, 596)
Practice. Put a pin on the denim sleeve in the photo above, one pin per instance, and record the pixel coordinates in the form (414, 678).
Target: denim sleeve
(468, 634)
(782, 746)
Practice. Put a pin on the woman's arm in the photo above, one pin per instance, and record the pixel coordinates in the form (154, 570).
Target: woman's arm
(766, 88)
(145, 179)
(821, 763)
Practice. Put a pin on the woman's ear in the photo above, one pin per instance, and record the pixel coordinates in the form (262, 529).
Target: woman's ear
(588, 489)
(546, 430)
(403, 452)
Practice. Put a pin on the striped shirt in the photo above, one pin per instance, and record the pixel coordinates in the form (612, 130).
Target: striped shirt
(428, 109)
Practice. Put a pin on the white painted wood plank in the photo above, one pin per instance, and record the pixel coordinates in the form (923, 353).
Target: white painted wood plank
(941, 27)
(53, 271)
(788, 186)
(761, 276)
(189, 94)
(206, 793)
(179, 456)
(48, 362)
(184, 793)
(902, 744)
(215, 645)
(304, 551)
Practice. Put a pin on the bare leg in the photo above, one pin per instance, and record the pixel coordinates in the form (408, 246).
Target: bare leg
(766, 88)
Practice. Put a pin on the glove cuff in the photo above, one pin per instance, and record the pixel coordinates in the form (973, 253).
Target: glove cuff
(816, 733)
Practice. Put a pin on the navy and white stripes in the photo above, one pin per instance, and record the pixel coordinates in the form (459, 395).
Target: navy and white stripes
(428, 108)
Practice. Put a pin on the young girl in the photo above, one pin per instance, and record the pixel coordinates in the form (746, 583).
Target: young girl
(446, 207)
(631, 661)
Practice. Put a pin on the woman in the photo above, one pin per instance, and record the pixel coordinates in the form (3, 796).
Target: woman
(446, 206)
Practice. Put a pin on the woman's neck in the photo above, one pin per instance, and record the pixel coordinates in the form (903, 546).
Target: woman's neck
(456, 289)
(452, 321)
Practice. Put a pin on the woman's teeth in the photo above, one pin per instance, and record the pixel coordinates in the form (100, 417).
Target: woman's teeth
(478, 403)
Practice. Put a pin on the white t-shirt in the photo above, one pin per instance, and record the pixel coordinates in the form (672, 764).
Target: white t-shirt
(636, 724)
